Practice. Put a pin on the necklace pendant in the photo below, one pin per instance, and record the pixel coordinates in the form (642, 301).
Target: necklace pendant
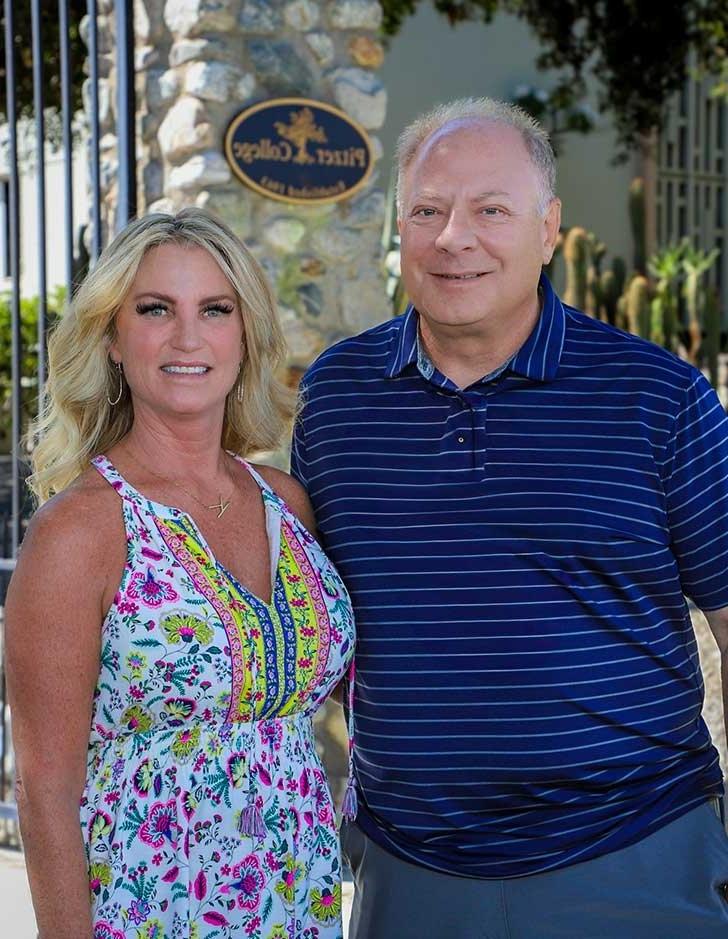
(221, 506)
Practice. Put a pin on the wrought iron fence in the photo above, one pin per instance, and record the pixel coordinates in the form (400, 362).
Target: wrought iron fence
(19, 14)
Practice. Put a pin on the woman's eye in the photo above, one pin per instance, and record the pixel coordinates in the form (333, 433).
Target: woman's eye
(151, 309)
(218, 309)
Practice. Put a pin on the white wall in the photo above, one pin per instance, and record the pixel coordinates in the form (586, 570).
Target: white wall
(430, 62)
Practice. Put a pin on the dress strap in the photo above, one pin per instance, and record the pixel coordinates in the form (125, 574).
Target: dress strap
(113, 477)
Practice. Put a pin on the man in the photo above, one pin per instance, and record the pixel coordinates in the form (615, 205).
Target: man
(518, 498)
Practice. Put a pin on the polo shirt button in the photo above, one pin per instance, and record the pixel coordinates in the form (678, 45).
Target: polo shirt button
(461, 439)
(723, 890)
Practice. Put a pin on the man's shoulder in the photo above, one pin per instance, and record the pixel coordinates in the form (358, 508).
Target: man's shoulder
(610, 345)
(369, 349)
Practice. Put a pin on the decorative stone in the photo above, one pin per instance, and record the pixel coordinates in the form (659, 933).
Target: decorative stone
(231, 206)
(361, 94)
(304, 342)
(280, 68)
(355, 14)
(211, 81)
(322, 46)
(366, 52)
(367, 210)
(165, 205)
(377, 148)
(245, 87)
(196, 17)
(169, 84)
(311, 300)
(104, 93)
(301, 14)
(284, 234)
(153, 180)
(144, 56)
(142, 23)
(364, 303)
(260, 16)
(204, 169)
(151, 87)
(312, 267)
(336, 245)
(184, 130)
(186, 50)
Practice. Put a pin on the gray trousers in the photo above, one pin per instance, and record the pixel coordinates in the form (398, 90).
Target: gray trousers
(671, 885)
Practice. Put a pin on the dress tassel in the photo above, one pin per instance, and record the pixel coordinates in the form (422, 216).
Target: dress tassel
(251, 822)
(350, 805)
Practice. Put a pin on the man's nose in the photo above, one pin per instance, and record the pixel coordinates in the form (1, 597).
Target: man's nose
(457, 234)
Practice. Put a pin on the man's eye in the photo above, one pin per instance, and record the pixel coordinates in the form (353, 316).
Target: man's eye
(492, 210)
(151, 309)
(425, 212)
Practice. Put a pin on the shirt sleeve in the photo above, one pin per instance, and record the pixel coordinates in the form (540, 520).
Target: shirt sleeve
(695, 477)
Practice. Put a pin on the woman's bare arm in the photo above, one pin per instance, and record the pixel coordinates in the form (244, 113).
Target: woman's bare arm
(54, 611)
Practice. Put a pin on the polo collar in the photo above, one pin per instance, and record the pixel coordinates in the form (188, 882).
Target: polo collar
(537, 359)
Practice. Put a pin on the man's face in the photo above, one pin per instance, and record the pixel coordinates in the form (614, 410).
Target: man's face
(473, 240)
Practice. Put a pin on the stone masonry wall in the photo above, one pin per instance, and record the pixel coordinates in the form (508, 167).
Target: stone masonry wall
(198, 63)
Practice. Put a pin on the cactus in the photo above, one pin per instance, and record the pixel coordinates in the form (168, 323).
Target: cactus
(695, 264)
(621, 320)
(637, 218)
(576, 257)
(711, 340)
(611, 287)
(666, 267)
(657, 322)
(710, 347)
(638, 306)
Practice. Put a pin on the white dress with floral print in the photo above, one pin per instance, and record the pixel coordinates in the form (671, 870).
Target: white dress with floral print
(202, 732)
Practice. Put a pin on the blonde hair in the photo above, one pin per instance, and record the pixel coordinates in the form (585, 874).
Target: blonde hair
(464, 110)
(77, 421)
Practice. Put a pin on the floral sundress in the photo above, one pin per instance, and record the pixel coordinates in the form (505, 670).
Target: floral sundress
(206, 812)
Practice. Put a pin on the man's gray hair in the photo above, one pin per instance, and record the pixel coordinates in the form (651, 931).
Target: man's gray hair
(486, 110)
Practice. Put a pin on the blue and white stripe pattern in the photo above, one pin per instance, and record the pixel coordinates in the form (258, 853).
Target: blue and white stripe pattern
(528, 691)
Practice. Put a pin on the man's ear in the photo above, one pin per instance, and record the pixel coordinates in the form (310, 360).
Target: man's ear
(551, 226)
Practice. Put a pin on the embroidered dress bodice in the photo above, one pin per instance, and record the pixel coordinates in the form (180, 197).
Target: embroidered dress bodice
(206, 812)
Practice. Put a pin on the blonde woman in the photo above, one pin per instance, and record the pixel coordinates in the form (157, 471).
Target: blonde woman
(172, 625)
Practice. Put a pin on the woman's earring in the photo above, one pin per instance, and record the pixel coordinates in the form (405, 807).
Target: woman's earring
(117, 399)
(239, 393)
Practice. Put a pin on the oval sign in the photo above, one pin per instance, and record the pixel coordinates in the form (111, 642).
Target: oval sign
(299, 150)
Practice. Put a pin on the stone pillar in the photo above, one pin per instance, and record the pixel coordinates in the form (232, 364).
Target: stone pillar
(198, 63)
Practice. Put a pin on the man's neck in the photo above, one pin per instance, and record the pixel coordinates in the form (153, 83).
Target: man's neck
(465, 356)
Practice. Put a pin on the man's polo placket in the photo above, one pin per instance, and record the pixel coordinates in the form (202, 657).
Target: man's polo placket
(469, 406)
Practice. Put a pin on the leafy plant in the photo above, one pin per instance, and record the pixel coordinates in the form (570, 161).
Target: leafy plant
(29, 360)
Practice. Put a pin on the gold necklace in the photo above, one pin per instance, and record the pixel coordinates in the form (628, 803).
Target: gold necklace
(221, 506)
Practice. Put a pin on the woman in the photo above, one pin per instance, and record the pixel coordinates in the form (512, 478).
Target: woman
(171, 624)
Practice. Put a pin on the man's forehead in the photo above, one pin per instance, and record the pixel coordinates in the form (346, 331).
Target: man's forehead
(467, 128)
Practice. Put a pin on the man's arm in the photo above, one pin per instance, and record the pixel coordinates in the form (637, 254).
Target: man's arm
(718, 622)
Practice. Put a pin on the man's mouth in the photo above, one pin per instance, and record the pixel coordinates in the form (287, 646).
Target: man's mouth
(473, 276)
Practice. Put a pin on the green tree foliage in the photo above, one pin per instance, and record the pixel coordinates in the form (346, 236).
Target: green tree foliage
(51, 55)
(638, 52)
(29, 360)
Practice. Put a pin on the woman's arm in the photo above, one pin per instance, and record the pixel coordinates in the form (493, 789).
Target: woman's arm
(52, 642)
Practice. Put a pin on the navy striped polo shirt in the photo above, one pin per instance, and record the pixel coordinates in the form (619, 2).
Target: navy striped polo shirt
(528, 692)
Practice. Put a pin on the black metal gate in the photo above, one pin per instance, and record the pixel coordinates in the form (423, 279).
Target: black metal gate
(33, 32)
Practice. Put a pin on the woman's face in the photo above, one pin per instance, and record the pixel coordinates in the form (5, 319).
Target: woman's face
(179, 334)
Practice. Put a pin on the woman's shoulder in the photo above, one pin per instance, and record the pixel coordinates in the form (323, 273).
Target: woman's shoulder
(80, 513)
(290, 490)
